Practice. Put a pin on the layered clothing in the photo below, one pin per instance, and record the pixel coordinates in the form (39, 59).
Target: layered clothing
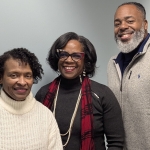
(106, 114)
(131, 87)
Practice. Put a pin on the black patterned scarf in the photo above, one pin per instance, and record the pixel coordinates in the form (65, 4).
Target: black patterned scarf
(87, 142)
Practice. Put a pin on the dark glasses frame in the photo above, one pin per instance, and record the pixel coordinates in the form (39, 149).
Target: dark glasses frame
(81, 54)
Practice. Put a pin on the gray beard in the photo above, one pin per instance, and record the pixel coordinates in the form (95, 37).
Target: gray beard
(129, 46)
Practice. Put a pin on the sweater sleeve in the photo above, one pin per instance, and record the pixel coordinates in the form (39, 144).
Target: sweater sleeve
(113, 124)
(108, 114)
(55, 142)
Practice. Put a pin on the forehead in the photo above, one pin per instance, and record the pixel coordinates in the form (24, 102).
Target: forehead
(73, 45)
(16, 65)
(127, 11)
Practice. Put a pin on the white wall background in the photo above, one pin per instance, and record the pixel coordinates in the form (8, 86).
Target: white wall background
(36, 24)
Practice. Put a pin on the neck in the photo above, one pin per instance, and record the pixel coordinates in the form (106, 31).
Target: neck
(69, 83)
(16, 107)
(12, 97)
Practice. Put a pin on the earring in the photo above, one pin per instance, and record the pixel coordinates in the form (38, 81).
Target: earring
(58, 72)
(84, 73)
(80, 79)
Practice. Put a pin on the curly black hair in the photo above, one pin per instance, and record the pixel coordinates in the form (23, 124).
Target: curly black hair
(25, 56)
(88, 49)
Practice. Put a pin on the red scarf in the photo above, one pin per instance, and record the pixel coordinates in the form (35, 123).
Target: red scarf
(87, 142)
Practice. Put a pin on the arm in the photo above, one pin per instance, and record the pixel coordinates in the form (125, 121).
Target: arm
(55, 142)
(113, 124)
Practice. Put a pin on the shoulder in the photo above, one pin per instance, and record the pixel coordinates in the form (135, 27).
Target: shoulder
(43, 109)
(44, 112)
(44, 87)
(104, 93)
(45, 115)
(98, 87)
(111, 65)
(112, 59)
(42, 92)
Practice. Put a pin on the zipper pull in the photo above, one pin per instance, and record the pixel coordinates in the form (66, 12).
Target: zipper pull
(130, 74)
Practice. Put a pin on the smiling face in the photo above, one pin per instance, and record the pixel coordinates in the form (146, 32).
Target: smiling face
(17, 79)
(69, 68)
(130, 27)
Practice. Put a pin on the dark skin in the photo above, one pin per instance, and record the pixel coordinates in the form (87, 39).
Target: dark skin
(17, 80)
(127, 20)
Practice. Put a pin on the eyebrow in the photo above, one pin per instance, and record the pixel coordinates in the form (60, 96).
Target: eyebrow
(71, 53)
(127, 17)
(17, 72)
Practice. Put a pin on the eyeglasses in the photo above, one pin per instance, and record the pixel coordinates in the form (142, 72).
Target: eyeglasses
(63, 55)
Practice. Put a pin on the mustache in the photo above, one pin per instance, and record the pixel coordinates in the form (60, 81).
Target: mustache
(123, 33)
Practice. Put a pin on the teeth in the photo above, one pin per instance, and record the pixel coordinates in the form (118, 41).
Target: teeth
(69, 68)
(125, 35)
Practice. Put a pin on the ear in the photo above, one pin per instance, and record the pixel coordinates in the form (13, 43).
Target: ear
(145, 24)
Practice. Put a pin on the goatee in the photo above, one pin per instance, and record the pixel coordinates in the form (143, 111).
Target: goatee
(127, 47)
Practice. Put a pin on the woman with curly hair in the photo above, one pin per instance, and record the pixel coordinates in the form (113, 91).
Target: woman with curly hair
(22, 123)
(84, 109)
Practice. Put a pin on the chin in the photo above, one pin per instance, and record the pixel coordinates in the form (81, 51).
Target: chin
(69, 77)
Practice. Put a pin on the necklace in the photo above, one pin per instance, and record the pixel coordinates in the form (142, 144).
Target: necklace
(73, 115)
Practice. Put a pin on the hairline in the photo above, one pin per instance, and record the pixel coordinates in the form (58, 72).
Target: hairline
(138, 6)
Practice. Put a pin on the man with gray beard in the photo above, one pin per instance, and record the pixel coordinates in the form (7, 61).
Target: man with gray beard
(129, 73)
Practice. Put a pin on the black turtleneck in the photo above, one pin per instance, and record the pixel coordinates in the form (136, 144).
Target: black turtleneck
(67, 98)
(127, 57)
(106, 111)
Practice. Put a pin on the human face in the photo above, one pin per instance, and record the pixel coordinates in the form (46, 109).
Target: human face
(130, 28)
(17, 79)
(69, 68)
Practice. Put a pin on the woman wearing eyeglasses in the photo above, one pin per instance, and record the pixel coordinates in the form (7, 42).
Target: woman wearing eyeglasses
(84, 109)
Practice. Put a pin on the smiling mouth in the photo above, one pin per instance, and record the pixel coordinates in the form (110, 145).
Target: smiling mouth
(20, 90)
(125, 36)
(69, 69)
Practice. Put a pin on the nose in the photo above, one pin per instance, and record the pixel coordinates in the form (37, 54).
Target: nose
(22, 81)
(69, 58)
(123, 25)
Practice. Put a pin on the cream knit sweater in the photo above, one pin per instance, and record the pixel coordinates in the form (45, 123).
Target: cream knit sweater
(27, 125)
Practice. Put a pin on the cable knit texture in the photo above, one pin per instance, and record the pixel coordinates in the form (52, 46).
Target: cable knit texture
(27, 125)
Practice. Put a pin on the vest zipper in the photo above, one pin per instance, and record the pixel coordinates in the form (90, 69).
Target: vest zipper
(130, 74)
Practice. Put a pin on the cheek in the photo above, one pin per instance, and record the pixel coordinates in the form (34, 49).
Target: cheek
(30, 83)
(59, 64)
(116, 31)
(81, 64)
(7, 83)
(7, 87)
